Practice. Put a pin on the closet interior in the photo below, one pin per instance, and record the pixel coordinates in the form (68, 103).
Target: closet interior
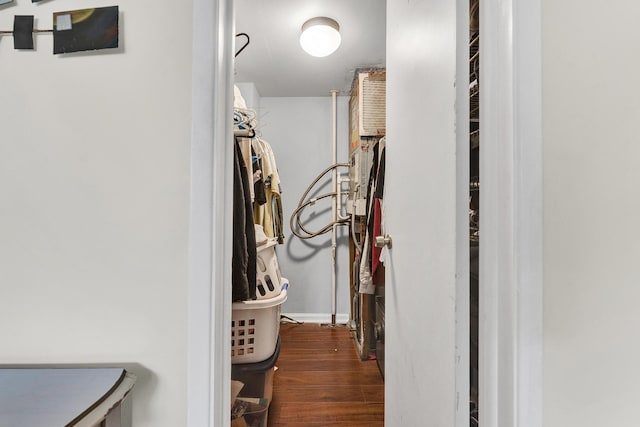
(316, 339)
(259, 289)
(367, 128)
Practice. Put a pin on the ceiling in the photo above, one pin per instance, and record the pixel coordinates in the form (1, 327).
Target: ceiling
(277, 65)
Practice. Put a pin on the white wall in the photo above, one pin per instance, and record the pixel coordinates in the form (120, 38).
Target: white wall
(591, 249)
(94, 177)
(299, 131)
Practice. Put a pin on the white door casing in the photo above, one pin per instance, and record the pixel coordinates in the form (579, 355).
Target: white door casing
(511, 214)
(209, 334)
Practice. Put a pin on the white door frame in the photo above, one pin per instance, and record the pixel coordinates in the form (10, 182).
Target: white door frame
(209, 296)
(511, 216)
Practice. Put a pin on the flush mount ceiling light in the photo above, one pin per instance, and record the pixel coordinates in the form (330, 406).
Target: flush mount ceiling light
(320, 36)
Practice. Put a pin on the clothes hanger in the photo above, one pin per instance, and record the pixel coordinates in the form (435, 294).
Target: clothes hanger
(245, 45)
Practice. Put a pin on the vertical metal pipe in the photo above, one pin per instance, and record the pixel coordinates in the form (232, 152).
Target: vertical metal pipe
(334, 137)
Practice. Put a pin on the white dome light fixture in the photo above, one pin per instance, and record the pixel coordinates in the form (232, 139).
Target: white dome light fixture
(320, 36)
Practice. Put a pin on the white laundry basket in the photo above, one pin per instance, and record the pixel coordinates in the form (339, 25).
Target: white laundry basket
(255, 326)
(268, 278)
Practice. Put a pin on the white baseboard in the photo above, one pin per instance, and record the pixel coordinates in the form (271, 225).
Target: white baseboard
(317, 317)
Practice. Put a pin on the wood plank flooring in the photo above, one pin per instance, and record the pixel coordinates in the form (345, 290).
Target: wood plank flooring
(321, 381)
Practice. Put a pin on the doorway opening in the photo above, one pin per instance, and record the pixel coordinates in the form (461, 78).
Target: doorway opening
(286, 111)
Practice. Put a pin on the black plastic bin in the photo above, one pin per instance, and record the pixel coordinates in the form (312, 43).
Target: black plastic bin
(258, 387)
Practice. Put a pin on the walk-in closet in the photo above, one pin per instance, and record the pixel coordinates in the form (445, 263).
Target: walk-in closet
(311, 248)
(307, 339)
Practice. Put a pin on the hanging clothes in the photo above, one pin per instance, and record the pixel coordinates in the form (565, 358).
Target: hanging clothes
(384, 253)
(378, 196)
(245, 148)
(257, 201)
(259, 208)
(270, 214)
(365, 274)
(259, 190)
(243, 260)
(374, 217)
(276, 207)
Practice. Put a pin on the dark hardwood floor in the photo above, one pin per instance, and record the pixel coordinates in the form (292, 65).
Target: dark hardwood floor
(321, 381)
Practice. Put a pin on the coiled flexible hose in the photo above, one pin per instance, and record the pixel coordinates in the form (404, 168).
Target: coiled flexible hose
(303, 203)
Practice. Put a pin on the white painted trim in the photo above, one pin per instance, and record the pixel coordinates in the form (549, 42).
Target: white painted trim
(511, 214)
(209, 323)
(528, 164)
(462, 216)
(341, 318)
(496, 255)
